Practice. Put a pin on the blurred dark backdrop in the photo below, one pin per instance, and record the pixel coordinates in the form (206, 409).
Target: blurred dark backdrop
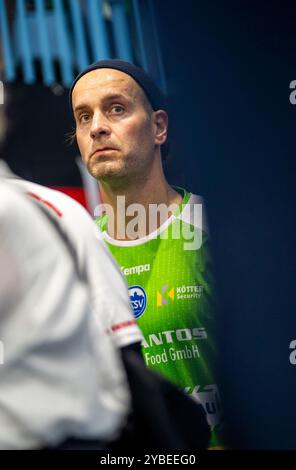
(229, 65)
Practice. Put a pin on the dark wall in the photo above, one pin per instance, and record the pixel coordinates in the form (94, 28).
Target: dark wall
(229, 66)
(39, 123)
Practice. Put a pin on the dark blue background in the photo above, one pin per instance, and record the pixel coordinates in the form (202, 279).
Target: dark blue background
(229, 66)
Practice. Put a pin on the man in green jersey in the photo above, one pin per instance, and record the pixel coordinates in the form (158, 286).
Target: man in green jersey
(154, 231)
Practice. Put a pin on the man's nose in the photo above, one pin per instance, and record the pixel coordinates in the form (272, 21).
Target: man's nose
(99, 126)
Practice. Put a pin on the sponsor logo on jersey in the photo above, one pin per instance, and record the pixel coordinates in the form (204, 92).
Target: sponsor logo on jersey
(208, 396)
(138, 298)
(172, 336)
(172, 354)
(166, 294)
(135, 269)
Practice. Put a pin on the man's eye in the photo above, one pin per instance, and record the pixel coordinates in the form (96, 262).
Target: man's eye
(116, 109)
(84, 118)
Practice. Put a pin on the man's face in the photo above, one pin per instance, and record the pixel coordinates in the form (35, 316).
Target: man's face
(116, 128)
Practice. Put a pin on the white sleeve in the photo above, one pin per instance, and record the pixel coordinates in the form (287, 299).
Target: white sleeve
(108, 290)
(11, 289)
(50, 341)
(110, 297)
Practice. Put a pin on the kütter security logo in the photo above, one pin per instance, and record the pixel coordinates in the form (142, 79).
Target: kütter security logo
(164, 295)
(138, 298)
(167, 294)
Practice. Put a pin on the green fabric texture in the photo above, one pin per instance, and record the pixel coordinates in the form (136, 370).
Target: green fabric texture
(176, 312)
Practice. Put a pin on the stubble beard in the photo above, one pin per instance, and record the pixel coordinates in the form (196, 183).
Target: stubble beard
(119, 172)
(108, 169)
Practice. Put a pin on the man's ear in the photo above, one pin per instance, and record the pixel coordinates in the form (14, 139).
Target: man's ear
(161, 126)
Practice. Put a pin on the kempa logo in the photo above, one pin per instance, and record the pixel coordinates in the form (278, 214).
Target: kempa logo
(135, 269)
(178, 293)
(162, 298)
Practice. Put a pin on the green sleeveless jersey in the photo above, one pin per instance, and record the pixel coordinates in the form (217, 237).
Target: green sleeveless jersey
(169, 275)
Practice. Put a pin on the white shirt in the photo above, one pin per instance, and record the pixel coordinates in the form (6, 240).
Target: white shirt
(108, 289)
(61, 375)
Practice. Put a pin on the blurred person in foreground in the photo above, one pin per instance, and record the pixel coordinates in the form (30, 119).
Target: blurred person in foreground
(62, 380)
(155, 231)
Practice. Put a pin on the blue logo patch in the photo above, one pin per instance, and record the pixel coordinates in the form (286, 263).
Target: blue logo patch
(138, 298)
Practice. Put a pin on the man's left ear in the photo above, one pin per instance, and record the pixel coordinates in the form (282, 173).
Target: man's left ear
(161, 126)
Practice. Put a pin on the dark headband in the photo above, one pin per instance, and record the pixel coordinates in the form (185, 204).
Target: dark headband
(154, 94)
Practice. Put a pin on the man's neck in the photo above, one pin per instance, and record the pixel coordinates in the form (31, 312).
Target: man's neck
(136, 210)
